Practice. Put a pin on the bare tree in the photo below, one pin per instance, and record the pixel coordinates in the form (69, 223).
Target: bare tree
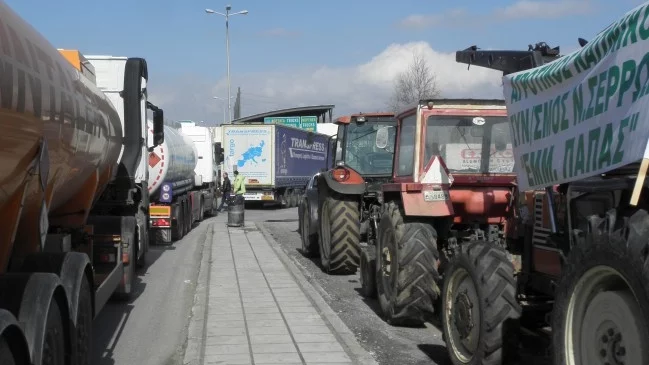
(416, 83)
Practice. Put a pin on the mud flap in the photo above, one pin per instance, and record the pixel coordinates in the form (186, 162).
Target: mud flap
(128, 232)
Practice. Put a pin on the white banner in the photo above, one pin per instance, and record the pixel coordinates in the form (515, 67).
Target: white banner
(585, 113)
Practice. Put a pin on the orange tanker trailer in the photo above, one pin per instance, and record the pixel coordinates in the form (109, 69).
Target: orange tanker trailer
(69, 202)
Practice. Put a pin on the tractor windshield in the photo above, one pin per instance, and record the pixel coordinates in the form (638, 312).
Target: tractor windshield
(361, 151)
(471, 144)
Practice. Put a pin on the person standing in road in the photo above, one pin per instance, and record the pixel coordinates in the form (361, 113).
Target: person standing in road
(226, 189)
(239, 185)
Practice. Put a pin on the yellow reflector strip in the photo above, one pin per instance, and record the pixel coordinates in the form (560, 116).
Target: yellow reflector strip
(159, 211)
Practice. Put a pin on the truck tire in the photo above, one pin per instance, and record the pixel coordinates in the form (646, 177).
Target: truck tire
(339, 235)
(6, 356)
(189, 218)
(368, 272)
(42, 307)
(201, 212)
(178, 229)
(309, 241)
(604, 289)
(54, 347)
(479, 303)
(406, 268)
(83, 331)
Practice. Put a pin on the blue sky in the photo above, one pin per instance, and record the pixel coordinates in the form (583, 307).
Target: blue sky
(287, 53)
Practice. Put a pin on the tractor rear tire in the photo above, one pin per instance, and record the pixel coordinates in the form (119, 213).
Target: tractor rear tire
(339, 235)
(368, 272)
(601, 308)
(406, 268)
(480, 313)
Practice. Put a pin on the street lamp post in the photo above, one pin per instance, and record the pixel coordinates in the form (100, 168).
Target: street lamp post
(227, 47)
(222, 99)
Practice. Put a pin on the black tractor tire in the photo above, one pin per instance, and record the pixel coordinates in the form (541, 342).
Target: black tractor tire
(406, 268)
(339, 235)
(486, 267)
(83, 343)
(309, 241)
(368, 272)
(604, 288)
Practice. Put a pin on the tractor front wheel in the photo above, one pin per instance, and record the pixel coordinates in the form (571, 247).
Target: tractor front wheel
(406, 268)
(339, 235)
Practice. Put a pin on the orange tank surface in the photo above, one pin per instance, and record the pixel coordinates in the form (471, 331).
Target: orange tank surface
(43, 97)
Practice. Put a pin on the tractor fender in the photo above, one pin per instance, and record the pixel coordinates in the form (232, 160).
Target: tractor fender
(342, 188)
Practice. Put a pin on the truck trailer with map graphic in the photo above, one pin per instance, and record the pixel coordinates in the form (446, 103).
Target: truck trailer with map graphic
(276, 160)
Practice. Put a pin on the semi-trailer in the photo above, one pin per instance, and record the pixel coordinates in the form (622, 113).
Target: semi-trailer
(182, 177)
(276, 160)
(70, 196)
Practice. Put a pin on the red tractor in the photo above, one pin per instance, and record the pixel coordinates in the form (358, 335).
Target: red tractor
(448, 217)
(341, 205)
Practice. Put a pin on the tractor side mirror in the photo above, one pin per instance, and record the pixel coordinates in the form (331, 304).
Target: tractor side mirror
(158, 127)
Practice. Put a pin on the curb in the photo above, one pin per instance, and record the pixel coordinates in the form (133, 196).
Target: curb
(340, 329)
(195, 348)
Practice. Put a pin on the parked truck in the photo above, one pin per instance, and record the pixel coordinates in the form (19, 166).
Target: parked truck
(181, 181)
(276, 160)
(70, 195)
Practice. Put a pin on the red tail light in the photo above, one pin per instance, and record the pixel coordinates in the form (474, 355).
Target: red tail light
(161, 222)
(340, 174)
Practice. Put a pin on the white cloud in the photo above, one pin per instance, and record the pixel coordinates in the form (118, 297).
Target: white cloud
(365, 87)
(520, 10)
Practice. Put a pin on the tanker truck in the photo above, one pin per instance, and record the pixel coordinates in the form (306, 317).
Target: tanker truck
(181, 181)
(68, 194)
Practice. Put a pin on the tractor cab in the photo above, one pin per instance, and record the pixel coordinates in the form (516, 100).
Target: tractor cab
(454, 158)
(365, 143)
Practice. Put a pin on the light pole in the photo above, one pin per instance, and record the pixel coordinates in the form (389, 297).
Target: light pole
(227, 46)
(222, 99)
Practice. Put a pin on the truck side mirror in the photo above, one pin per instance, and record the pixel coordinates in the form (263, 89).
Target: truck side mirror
(158, 127)
(218, 153)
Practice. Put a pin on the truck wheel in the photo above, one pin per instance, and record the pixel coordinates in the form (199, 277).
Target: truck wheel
(368, 272)
(340, 235)
(601, 310)
(201, 212)
(309, 241)
(406, 268)
(479, 304)
(83, 343)
(54, 347)
(6, 355)
(142, 239)
(178, 230)
(189, 218)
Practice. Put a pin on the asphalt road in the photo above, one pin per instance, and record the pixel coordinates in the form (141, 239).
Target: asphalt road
(388, 344)
(151, 329)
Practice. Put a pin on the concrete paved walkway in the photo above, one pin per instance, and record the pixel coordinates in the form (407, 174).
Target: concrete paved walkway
(257, 312)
